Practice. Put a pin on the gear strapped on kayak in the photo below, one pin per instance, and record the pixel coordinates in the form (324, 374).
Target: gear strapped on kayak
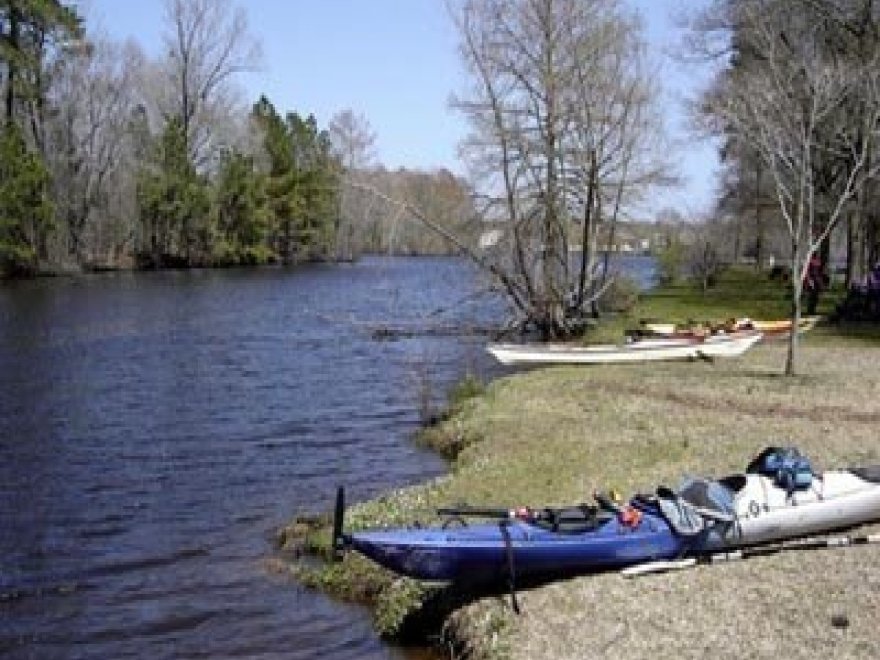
(563, 520)
(789, 468)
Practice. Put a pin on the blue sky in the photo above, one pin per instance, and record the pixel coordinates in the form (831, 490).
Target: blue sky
(396, 62)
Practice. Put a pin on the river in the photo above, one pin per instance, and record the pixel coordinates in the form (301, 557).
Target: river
(157, 428)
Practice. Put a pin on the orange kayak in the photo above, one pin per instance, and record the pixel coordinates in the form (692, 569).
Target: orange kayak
(770, 329)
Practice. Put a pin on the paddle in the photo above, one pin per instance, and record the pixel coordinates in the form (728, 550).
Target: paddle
(338, 516)
(745, 553)
(465, 510)
(605, 502)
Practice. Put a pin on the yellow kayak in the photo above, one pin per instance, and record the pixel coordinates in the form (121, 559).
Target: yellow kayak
(775, 328)
(783, 326)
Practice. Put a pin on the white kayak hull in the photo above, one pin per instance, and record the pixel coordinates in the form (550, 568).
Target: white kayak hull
(765, 513)
(645, 350)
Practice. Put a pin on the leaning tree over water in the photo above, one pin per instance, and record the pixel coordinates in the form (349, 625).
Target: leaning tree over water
(563, 135)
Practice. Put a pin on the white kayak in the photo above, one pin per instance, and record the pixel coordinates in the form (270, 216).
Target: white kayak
(753, 508)
(837, 499)
(642, 350)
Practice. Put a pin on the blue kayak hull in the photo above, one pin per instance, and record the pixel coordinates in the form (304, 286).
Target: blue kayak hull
(480, 552)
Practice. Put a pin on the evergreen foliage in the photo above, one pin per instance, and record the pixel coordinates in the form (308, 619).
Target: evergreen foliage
(302, 185)
(174, 205)
(28, 29)
(25, 208)
(240, 219)
(102, 169)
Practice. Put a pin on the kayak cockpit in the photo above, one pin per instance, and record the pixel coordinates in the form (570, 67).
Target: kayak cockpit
(571, 520)
(870, 473)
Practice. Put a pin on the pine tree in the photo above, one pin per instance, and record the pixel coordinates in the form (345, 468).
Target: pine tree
(174, 205)
(28, 30)
(240, 214)
(25, 208)
(302, 184)
(283, 198)
(318, 172)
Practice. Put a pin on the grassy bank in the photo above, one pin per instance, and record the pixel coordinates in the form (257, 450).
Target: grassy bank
(555, 435)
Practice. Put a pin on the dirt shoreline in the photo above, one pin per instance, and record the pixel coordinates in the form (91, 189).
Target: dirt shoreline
(555, 435)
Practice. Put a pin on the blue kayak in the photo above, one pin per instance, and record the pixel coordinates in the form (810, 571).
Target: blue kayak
(778, 497)
(488, 551)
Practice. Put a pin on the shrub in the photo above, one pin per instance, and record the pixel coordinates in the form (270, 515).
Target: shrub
(620, 297)
(669, 263)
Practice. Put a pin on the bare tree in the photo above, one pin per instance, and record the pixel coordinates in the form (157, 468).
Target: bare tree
(617, 146)
(208, 44)
(704, 253)
(558, 110)
(92, 101)
(353, 139)
(787, 98)
(354, 143)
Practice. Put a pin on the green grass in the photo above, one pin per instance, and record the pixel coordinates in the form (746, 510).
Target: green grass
(739, 292)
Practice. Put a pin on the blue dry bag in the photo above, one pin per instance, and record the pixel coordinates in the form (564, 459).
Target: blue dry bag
(789, 468)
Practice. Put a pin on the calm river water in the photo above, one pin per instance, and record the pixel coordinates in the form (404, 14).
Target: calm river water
(156, 428)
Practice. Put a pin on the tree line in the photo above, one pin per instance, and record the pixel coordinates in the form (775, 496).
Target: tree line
(796, 103)
(821, 100)
(111, 159)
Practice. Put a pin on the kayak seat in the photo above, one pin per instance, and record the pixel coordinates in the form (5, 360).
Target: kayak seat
(571, 520)
(734, 483)
(869, 473)
(681, 517)
(708, 495)
(697, 505)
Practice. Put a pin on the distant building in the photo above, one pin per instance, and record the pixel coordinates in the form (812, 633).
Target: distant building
(490, 238)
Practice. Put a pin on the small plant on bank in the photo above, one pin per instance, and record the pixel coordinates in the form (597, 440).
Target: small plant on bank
(445, 434)
(464, 390)
(400, 599)
(704, 262)
(620, 297)
(669, 263)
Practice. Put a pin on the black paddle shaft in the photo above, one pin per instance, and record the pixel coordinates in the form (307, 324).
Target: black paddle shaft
(476, 511)
(578, 513)
(808, 543)
(338, 519)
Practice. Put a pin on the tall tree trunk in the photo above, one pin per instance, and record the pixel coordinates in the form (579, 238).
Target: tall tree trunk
(852, 220)
(11, 72)
(759, 225)
(796, 291)
(586, 243)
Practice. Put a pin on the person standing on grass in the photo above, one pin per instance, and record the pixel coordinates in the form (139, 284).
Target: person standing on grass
(872, 291)
(814, 282)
